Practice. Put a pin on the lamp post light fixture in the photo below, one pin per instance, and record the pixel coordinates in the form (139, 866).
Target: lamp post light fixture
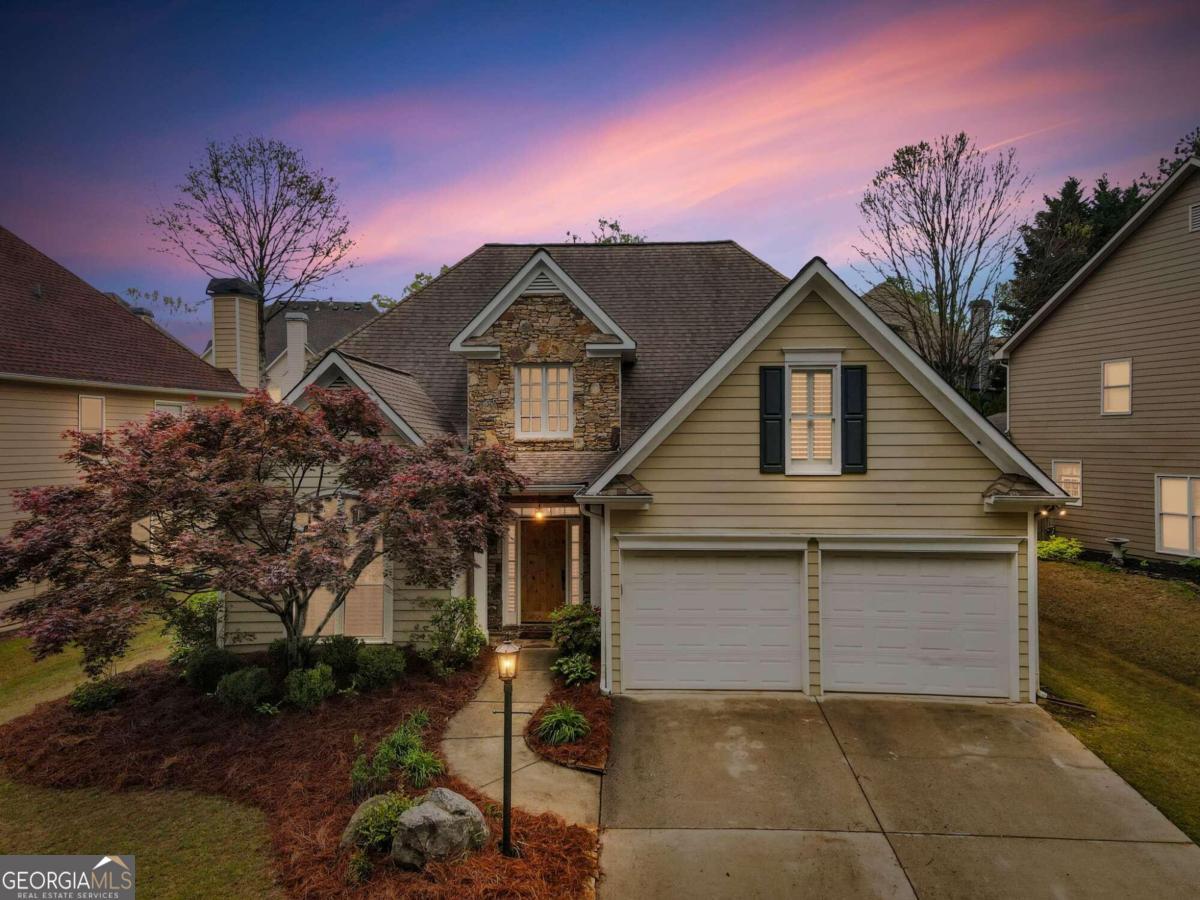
(507, 667)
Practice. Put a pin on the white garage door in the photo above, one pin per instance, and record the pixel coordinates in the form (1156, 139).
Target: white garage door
(715, 621)
(917, 624)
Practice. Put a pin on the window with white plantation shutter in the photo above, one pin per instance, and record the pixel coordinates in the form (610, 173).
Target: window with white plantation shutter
(543, 408)
(1194, 217)
(813, 433)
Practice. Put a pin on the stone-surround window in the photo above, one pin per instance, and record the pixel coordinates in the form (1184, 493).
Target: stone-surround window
(544, 399)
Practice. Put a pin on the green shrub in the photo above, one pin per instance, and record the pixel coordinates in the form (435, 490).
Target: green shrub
(378, 825)
(204, 667)
(359, 868)
(576, 629)
(94, 695)
(340, 653)
(454, 638)
(575, 669)
(367, 778)
(306, 688)
(192, 625)
(563, 724)
(1059, 549)
(418, 719)
(1193, 563)
(395, 748)
(246, 689)
(378, 665)
(277, 655)
(421, 766)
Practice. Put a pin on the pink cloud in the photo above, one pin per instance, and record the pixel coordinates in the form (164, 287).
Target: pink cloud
(801, 135)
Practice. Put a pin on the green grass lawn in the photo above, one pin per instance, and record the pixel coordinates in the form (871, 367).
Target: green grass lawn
(187, 845)
(24, 682)
(1147, 726)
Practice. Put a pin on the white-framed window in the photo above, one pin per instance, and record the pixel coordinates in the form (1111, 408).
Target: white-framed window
(544, 402)
(1116, 387)
(814, 406)
(173, 407)
(1068, 475)
(1177, 511)
(91, 414)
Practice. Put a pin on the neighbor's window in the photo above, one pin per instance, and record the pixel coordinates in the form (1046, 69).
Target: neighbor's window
(168, 406)
(1116, 387)
(543, 401)
(1178, 504)
(1068, 475)
(813, 435)
(91, 414)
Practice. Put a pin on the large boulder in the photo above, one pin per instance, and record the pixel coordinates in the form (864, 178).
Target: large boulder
(444, 825)
(348, 836)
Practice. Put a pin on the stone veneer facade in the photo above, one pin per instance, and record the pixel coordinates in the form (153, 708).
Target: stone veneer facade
(544, 329)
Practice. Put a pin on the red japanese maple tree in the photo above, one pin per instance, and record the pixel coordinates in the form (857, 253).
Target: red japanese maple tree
(270, 501)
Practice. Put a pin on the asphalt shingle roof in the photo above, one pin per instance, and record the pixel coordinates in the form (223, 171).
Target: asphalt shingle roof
(683, 303)
(404, 394)
(328, 322)
(55, 325)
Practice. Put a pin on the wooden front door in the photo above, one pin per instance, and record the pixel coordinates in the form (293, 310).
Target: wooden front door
(543, 568)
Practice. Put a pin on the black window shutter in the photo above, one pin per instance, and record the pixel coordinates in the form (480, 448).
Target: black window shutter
(854, 420)
(771, 416)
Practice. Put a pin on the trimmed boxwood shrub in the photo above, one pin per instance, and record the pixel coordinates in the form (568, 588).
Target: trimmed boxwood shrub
(378, 666)
(340, 653)
(277, 656)
(246, 689)
(206, 666)
(576, 629)
(95, 694)
(1059, 549)
(306, 688)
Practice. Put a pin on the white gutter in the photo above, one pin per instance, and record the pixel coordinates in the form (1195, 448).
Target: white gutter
(117, 386)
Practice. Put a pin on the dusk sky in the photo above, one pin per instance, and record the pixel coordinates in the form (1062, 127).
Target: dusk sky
(449, 125)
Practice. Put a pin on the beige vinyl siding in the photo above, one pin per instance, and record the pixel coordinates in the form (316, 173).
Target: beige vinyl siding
(924, 477)
(32, 420)
(1143, 303)
(235, 338)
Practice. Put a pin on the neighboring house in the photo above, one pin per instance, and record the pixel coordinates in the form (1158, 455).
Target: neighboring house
(298, 333)
(753, 478)
(887, 303)
(73, 357)
(1104, 382)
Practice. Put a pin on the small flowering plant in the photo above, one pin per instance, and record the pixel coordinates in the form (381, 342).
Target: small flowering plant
(269, 501)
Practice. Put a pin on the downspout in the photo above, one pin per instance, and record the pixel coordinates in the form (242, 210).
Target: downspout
(1031, 588)
(604, 568)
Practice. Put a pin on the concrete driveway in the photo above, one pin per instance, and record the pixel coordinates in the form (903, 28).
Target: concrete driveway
(757, 795)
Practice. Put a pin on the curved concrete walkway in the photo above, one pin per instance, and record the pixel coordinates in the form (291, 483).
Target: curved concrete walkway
(474, 748)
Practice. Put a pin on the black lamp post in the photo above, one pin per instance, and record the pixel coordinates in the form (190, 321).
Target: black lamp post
(506, 667)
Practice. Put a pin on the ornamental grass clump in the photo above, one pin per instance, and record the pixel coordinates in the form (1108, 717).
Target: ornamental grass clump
(378, 824)
(563, 724)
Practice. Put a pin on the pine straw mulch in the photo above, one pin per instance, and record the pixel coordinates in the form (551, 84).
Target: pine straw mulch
(295, 767)
(590, 753)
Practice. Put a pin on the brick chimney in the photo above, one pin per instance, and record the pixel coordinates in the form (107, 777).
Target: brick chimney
(297, 343)
(235, 310)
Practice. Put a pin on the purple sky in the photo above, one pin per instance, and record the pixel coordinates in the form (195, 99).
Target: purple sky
(448, 125)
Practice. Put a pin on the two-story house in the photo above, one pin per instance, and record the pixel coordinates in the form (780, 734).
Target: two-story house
(755, 480)
(72, 357)
(1104, 383)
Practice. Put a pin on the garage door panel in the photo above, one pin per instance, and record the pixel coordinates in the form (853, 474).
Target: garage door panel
(717, 621)
(932, 624)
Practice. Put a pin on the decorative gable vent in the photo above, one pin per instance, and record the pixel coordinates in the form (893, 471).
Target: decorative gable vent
(339, 383)
(1194, 217)
(542, 284)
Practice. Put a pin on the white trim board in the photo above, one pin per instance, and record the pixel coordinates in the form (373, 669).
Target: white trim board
(344, 366)
(541, 264)
(997, 448)
(118, 386)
